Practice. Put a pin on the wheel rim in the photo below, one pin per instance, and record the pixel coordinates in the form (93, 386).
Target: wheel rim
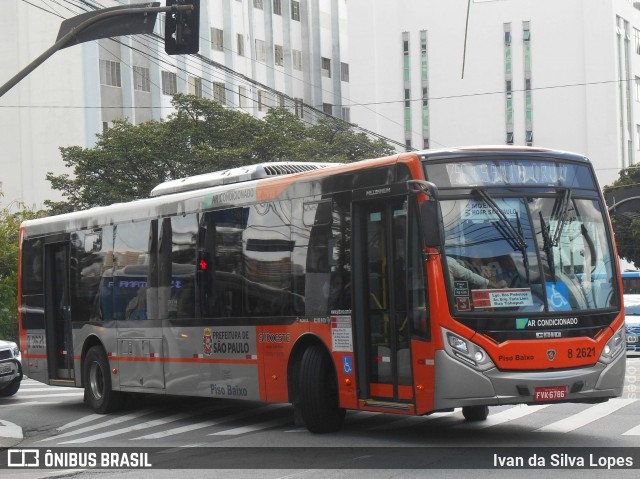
(96, 381)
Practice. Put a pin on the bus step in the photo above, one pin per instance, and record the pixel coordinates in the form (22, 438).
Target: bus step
(387, 405)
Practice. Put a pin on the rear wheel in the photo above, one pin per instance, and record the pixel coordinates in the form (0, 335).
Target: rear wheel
(11, 389)
(97, 383)
(475, 413)
(319, 404)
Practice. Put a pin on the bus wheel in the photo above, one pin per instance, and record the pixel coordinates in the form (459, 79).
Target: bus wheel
(319, 392)
(97, 383)
(475, 413)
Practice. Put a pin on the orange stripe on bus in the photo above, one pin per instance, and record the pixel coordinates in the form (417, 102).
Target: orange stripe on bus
(184, 360)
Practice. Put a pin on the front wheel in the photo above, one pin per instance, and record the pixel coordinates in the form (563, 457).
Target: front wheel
(319, 404)
(475, 413)
(97, 383)
(11, 389)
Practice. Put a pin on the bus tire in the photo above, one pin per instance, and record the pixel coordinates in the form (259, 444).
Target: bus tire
(97, 383)
(475, 413)
(11, 389)
(318, 392)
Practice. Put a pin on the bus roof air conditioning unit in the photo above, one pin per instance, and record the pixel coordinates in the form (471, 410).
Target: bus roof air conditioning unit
(235, 175)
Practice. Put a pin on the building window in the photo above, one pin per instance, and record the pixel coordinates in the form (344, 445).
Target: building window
(326, 67)
(277, 7)
(141, 81)
(280, 100)
(243, 97)
(425, 144)
(297, 60)
(636, 36)
(295, 10)
(344, 72)
(240, 43)
(510, 138)
(637, 88)
(258, 4)
(346, 113)
(219, 92)
(529, 138)
(217, 39)
(110, 73)
(262, 100)
(279, 55)
(169, 83)
(299, 107)
(260, 51)
(327, 108)
(195, 86)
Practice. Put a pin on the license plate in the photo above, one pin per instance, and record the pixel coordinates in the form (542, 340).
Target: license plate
(632, 339)
(552, 393)
(5, 368)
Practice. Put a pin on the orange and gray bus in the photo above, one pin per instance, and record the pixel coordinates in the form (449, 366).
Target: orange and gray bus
(421, 282)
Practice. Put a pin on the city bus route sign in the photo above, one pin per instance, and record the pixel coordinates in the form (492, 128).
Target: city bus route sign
(551, 393)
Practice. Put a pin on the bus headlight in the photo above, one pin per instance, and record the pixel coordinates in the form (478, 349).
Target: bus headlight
(466, 351)
(614, 346)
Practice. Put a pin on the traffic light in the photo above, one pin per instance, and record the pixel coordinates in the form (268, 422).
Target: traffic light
(182, 28)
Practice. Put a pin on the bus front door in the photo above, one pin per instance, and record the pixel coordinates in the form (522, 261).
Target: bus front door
(383, 349)
(59, 329)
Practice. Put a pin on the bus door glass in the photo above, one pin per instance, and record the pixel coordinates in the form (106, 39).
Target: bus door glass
(383, 305)
(58, 319)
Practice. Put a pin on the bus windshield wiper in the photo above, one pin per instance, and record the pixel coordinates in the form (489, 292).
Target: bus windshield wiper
(547, 247)
(514, 236)
(561, 214)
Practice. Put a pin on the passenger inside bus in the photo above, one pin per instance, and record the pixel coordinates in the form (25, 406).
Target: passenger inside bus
(458, 271)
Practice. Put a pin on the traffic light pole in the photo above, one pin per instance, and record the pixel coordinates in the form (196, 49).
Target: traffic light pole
(71, 37)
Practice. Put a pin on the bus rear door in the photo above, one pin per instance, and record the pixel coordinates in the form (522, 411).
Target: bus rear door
(59, 330)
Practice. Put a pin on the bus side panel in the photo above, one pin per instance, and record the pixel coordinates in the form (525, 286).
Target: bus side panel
(274, 349)
(211, 361)
(423, 375)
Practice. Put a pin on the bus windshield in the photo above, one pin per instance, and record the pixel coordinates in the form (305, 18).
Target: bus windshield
(536, 252)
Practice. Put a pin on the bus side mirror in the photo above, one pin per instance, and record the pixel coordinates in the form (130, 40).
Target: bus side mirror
(431, 222)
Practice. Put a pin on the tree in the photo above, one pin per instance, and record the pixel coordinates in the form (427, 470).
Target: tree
(201, 136)
(625, 227)
(9, 235)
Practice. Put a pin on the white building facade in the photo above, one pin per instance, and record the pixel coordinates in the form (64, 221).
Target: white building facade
(254, 54)
(558, 74)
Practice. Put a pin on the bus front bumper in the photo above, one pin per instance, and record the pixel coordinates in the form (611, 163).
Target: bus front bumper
(459, 385)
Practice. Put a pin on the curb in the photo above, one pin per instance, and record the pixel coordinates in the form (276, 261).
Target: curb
(10, 434)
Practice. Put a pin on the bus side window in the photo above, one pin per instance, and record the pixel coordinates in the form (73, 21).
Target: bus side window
(131, 269)
(178, 256)
(91, 256)
(418, 303)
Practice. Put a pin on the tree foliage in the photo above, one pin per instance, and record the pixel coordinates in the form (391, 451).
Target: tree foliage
(128, 160)
(9, 236)
(625, 227)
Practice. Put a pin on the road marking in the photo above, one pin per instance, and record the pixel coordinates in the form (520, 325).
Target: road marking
(110, 422)
(82, 420)
(253, 427)
(136, 427)
(502, 417)
(410, 421)
(209, 423)
(48, 389)
(51, 396)
(587, 416)
(635, 431)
